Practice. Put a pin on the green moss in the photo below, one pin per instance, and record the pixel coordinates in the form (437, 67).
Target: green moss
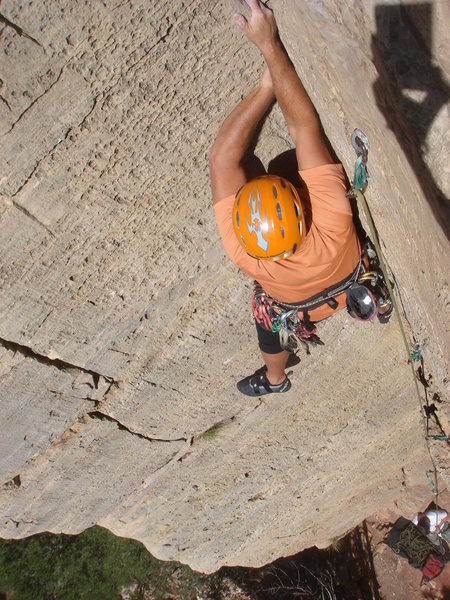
(211, 433)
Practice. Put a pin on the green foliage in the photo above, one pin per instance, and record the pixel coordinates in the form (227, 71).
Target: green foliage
(336, 544)
(94, 565)
(211, 433)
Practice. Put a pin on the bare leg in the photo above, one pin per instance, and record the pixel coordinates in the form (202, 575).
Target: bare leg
(275, 363)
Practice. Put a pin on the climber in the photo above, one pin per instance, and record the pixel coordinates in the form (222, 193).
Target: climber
(299, 263)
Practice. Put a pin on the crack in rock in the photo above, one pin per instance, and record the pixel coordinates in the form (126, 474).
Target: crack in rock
(24, 112)
(49, 153)
(83, 120)
(18, 523)
(98, 414)
(27, 213)
(5, 101)
(18, 29)
(55, 362)
(20, 188)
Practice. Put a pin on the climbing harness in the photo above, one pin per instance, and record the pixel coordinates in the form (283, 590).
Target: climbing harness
(367, 296)
(361, 145)
(292, 321)
(282, 319)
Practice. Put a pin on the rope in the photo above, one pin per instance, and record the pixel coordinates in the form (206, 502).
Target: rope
(411, 356)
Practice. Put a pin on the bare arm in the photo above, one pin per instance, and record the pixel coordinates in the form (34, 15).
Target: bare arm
(300, 115)
(235, 135)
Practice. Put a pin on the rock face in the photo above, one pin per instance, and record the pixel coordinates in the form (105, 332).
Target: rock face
(123, 325)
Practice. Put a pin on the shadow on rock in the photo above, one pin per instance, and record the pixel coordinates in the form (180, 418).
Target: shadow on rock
(411, 90)
(345, 570)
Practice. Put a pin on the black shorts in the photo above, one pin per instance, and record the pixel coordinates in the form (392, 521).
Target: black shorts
(269, 341)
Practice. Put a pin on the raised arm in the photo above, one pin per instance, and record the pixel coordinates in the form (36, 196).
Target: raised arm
(229, 151)
(300, 115)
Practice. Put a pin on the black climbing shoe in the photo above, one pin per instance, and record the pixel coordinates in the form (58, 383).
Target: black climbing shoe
(258, 384)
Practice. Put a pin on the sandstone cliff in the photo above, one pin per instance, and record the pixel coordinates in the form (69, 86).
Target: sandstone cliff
(123, 326)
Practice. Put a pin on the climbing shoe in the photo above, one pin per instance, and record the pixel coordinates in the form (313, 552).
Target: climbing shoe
(258, 384)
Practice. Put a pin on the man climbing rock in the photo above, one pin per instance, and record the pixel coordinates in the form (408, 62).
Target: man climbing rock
(300, 264)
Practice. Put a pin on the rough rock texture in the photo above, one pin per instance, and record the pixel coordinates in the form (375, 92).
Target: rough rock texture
(123, 325)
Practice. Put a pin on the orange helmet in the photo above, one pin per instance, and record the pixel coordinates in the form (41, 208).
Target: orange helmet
(268, 218)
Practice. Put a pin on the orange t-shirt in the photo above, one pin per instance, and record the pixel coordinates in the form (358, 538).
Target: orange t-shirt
(329, 252)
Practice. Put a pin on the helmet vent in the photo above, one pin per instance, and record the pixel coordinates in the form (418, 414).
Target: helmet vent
(283, 183)
(297, 210)
(282, 232)
(243, 241)
(300, 230)
(279, 213)
(275, 192)
(292, 191)
(237, 219)
(238, 200)
(294, 248)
